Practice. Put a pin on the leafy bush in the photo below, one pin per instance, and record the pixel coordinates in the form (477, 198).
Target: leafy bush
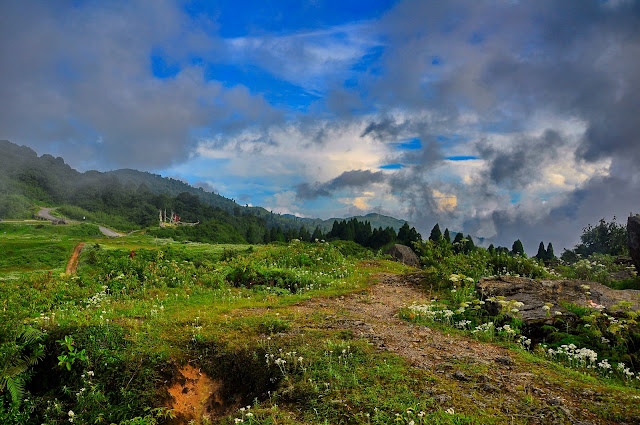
(298, 266)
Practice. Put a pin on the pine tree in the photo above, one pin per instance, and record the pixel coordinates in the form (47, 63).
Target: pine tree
(403, 234)
(517, 248)
(459, 237)
(550, 256)
(470, 245)
(436, 234)
(492, 250)
(447, 236)
(317, 234)
(542, 253)
(304, 234)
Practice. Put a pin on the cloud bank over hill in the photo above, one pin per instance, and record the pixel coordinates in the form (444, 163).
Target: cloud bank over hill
(501, 119)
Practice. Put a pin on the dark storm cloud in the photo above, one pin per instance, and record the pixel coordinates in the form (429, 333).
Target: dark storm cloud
(508, 63)
(348, 179)
(76, 79)
(519, 164)
(386, 129)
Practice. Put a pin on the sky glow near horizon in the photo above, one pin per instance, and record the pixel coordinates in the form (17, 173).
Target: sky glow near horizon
(502, 119)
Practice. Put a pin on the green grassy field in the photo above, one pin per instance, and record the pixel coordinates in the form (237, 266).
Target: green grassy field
(108, 344)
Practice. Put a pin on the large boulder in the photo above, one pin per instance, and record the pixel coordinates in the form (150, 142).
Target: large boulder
(403, 254)
(534, 294)
(633, 231)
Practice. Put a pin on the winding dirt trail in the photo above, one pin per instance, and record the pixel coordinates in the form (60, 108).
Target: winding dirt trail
(45, 213)
(72, 265)
(483, 374)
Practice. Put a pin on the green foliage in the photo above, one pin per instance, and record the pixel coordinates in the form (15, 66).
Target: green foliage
(14, 206)
(436, 234)
(595, 268)
(70, 353)
(517, 248)
(550, 256)
(17, 356)
(604, 238)
(296, 267)
(408, 236)
(440, 263)
(447, 235)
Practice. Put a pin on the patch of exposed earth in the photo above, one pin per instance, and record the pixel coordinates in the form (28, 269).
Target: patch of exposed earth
(196, 397)
(72, 265)
(486, 374)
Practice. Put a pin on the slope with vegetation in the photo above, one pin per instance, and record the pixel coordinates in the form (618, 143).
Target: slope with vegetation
(319, 332)
(128, 199)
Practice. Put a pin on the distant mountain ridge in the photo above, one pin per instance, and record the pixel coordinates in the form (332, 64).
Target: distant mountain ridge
(25, 177)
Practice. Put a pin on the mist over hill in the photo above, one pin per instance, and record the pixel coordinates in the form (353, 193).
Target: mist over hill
(27, 179)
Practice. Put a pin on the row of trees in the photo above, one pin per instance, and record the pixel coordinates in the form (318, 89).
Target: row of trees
(353, 230)
(362, 233)
(545, 255)
(459, 244)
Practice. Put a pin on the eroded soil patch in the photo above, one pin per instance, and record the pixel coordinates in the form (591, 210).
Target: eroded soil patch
(196, 397)
(72, 265)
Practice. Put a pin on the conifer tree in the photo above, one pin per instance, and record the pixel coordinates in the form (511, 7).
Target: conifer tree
(542, 253)
(549, 256)
(470, 245)
(436, 234)
(403, 234)
(317, 234)
(517, 248)
(447, 236)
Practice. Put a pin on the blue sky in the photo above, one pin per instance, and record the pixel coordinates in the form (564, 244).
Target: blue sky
(501, 119)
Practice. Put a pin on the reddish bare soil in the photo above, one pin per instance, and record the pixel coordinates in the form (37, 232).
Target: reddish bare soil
(72, 265)
(196, 398)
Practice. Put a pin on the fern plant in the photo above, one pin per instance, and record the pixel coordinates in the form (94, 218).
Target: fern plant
(27, 351)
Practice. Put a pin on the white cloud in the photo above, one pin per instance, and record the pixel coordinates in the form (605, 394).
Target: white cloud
(308, 59)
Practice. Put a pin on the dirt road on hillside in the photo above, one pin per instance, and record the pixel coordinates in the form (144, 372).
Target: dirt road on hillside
(46, 214)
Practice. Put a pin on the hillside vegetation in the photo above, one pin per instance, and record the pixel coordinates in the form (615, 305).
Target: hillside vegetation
(130, 199)
(151, 331)
(239, 320)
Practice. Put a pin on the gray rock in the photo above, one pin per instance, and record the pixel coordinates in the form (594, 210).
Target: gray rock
(534, 294)
(489, 388)
(633, 232)
(442, 398)
(460, 376)
(507, 361)
(556, 401)
(403, 254)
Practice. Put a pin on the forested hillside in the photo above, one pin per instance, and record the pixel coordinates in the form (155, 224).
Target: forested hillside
(130, 199)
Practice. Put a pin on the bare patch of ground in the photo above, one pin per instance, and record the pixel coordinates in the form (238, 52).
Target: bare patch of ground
(196, 397)
(72, 265)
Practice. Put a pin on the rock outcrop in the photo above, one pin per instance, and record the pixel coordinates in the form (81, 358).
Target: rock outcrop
(633, 232)
(403, 254)
(534, 294)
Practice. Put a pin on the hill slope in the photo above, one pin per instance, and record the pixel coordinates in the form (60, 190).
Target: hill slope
(26, 178)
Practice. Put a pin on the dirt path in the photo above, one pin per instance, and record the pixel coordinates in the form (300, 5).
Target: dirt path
(46, 214)
(486, 374)
(72, 265)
